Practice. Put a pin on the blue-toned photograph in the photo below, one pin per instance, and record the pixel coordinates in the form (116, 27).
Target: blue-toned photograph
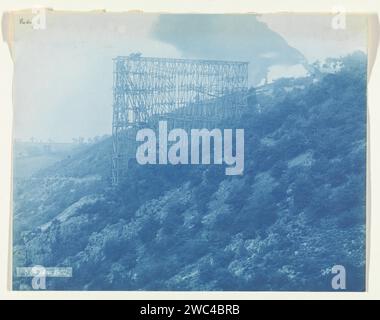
(188, 152)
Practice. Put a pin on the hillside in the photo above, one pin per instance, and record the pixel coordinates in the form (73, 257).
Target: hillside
(298, 209)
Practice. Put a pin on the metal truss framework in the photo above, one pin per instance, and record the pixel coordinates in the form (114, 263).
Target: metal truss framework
(187, 93)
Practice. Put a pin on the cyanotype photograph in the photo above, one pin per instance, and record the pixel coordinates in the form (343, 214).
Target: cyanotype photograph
(188, 152)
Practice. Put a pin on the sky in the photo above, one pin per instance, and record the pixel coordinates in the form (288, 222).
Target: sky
(315, 37)
(63, 74)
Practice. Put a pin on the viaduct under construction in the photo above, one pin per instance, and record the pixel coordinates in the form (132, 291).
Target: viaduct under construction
(186, 93)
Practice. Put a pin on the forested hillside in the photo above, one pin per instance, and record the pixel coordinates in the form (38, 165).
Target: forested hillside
(298, 210)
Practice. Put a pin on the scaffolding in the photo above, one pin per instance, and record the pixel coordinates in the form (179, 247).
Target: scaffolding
(187, 93)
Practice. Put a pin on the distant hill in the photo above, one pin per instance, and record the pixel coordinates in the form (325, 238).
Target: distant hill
(31, 157)
(298, 209)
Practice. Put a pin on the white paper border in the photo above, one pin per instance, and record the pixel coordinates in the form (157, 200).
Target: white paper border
(201, 6)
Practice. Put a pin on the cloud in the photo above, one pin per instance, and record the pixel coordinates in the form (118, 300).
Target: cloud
(227, 37)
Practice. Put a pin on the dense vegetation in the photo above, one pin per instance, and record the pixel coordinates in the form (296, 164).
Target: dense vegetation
(298, 209)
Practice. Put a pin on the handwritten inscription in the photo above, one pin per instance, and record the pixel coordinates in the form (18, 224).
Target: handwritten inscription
(25, 21)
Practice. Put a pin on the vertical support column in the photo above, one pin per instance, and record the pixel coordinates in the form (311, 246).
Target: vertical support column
(119, 116)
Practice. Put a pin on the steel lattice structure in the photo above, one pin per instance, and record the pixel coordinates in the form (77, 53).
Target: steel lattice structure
(187, 93)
